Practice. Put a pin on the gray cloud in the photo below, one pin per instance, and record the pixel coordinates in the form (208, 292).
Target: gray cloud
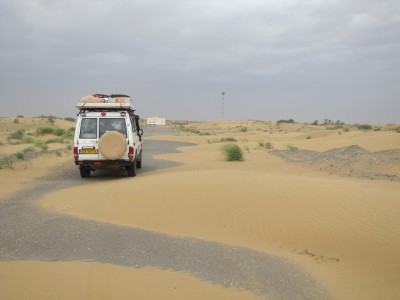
(275, 59)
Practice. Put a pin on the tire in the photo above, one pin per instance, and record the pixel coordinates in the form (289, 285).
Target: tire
(112, 145)
(85, 172)
(139, 162)
(131, 170)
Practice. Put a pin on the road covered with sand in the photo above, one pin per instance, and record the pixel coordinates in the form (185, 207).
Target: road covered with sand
(343, 230)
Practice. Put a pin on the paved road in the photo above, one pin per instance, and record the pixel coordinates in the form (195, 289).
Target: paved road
(27, 232)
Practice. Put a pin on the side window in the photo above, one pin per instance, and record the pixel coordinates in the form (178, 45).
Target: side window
(133, 124)
(88, 128)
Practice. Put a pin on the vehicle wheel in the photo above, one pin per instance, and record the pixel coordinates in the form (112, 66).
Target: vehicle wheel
(131, 170)
(139, 162)
(85, 172)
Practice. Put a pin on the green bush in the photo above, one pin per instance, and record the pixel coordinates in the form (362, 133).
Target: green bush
(28, 149)
(364, 127)
(17, 135)
(232, 152)
(292, 148)
(59, 131)
(6, 163)
(286, 121)
(45, 130)
(20, 155)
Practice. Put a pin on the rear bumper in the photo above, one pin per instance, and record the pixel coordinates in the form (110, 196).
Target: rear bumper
(103, 163)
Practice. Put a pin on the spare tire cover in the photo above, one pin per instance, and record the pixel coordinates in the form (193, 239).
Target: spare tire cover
(112, 145)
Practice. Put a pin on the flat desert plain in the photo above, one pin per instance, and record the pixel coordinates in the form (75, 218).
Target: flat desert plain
(326, 199)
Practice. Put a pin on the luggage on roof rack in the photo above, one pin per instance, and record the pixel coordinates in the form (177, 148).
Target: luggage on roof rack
(101, 101)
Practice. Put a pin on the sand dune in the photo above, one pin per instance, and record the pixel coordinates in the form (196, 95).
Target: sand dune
(345, 231)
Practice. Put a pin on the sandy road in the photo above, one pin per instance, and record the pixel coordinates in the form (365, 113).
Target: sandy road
(31, 233)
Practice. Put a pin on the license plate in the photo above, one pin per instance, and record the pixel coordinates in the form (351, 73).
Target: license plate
(88, 151)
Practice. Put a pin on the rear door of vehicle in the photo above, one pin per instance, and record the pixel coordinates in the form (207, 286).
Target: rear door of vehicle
(113, 123)
(88, 141)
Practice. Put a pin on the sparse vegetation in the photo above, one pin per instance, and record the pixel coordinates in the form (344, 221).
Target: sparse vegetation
(42, 130)
(6, 163)
(365, 127)
(69, 119)
(192, 130)
(290, 121)
(222, 140)
(17, 135)
(232, 152)
(292, 148)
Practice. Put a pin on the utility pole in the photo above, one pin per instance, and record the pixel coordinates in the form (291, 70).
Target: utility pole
(222, 112)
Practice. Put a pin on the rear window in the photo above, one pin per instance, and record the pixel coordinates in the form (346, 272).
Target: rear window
(112, 124)
(88, 128)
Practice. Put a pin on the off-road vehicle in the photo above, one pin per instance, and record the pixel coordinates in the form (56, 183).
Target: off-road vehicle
(107, 134)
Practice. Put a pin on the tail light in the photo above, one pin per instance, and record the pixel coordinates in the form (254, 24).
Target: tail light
(76, 153)
(131, 153)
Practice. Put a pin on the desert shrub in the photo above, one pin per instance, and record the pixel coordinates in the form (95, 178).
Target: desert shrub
(59, 131)
(45, 130)
(43, 146)
(20, 155)
(17, 135)
(54, 140)
(58, 153)
(6, 163)
(261, 143)
(20, 116)
(69, 119)
(286, 121)
(222, 140)
(28, 140)
(16, 121)
(292, 147)
(28, 149)
(364, 127)
(243, 129)
(69, 133)
(269, 145)
(232, 152)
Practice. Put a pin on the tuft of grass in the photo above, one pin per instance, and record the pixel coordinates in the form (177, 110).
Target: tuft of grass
(6, 163)
(55, 140)
(232, 152)
(16, 121)
(42, 146)
(292, 148)
(222, 140)
(269, 145)
(20, 155)
(42, 130)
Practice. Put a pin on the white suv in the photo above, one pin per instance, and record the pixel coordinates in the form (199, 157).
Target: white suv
(107, 135)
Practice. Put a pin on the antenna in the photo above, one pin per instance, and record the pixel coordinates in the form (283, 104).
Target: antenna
(222, 111)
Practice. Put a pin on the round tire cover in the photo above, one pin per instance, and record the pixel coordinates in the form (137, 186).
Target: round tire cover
(112, 145)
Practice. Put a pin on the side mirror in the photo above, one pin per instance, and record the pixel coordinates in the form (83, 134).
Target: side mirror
(140, 132)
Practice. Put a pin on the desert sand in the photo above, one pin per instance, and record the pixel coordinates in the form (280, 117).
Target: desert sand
(343, 230)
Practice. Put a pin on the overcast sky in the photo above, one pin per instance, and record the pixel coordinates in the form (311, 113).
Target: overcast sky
(274, 59)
